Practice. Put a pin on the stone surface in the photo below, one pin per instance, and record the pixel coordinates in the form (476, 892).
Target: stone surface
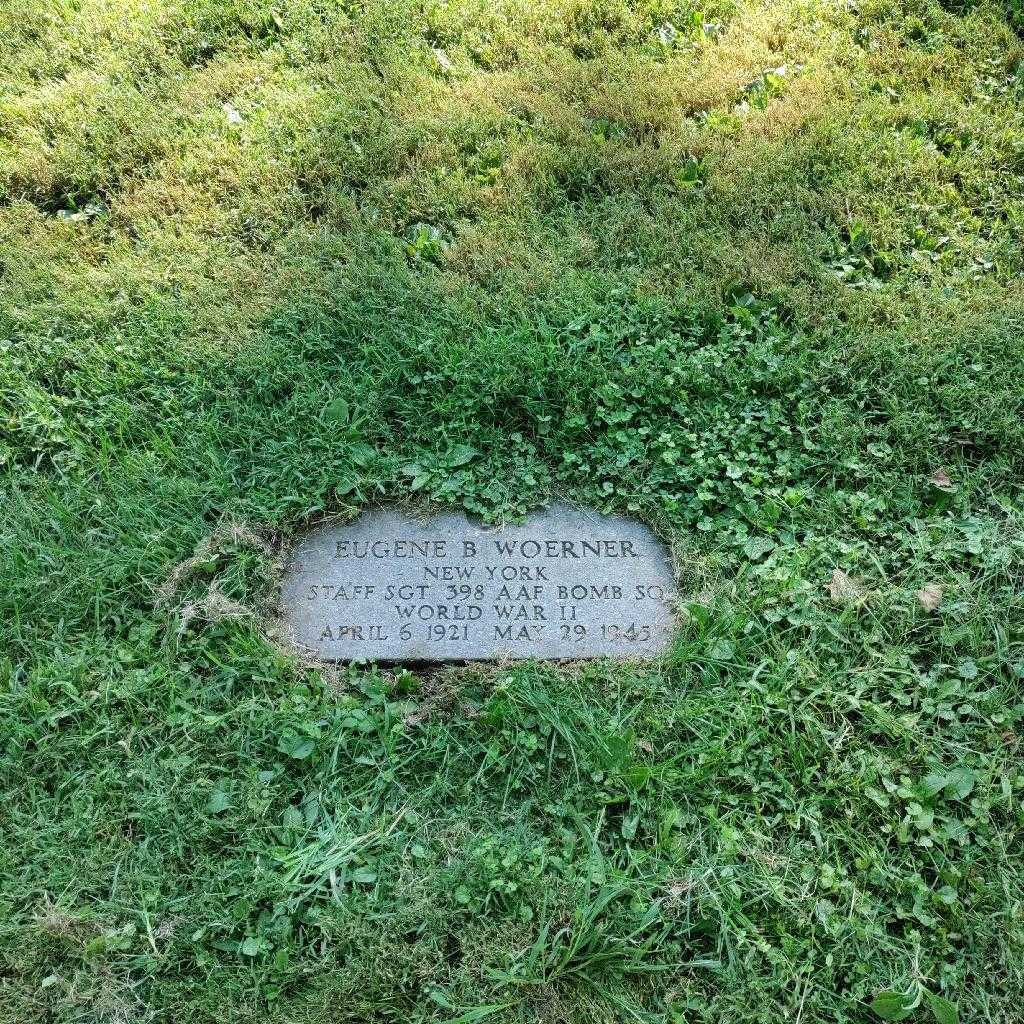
(567, 584)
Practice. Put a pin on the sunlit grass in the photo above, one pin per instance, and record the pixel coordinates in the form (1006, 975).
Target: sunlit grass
(749, 271)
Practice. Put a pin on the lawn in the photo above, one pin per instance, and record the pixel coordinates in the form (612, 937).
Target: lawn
(748, 271)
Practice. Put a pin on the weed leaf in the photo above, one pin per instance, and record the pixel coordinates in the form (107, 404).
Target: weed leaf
(891, 1005)
(336, 411)
(942, 1009)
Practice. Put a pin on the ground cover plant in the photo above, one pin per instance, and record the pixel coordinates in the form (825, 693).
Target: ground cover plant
(749, 271)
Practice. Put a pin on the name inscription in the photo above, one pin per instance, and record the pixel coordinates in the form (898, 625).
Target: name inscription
(568, 584)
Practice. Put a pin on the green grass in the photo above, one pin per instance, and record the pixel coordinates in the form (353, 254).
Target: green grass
(751, 272)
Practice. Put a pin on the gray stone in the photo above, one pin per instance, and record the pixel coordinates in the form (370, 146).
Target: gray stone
(568, 584)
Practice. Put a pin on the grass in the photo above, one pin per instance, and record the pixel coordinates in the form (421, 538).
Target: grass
(749, 271)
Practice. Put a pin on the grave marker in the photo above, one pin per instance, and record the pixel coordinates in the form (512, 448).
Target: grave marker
(567, 584)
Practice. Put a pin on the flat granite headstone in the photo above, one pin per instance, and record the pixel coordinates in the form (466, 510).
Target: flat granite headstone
(567, 584)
